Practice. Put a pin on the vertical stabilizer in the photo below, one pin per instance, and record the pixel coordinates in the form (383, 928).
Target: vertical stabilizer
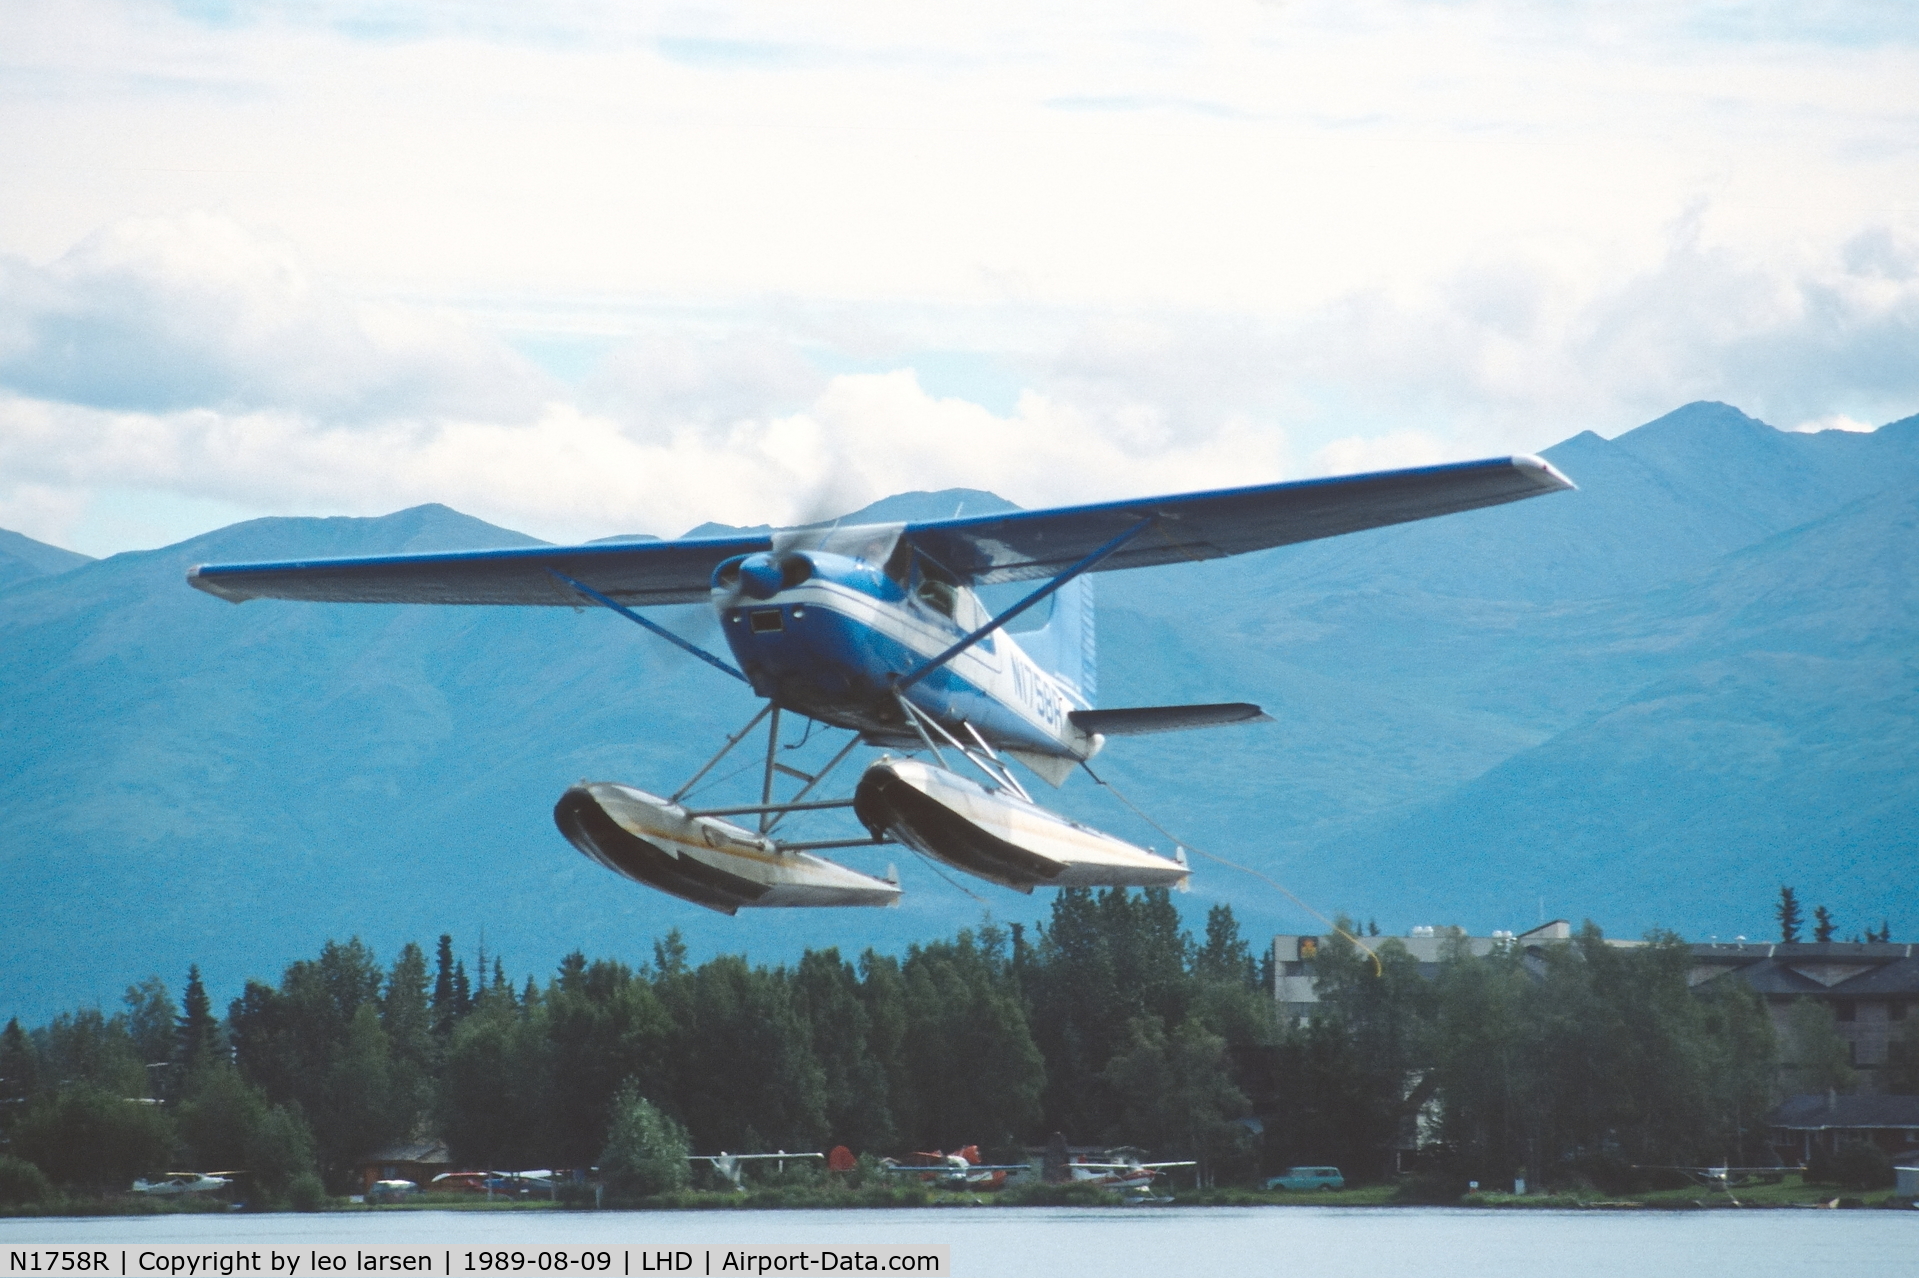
(1065, 646)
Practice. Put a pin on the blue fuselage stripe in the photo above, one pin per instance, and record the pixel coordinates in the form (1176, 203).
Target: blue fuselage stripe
(841, 644)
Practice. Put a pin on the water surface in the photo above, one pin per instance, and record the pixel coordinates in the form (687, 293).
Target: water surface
(1313, 1242)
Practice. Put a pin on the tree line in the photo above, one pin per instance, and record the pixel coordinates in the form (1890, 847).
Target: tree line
(1824, 926)
(1574, 1064)
(1109, 1022)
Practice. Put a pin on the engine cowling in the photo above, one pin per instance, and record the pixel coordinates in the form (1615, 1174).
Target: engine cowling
(761, 576)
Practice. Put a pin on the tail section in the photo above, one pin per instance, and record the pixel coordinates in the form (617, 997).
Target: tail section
(1065, 646)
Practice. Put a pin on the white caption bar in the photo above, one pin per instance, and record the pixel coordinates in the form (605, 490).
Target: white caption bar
(703, 1261)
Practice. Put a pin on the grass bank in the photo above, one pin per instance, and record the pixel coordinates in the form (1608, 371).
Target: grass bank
(1789, 1192)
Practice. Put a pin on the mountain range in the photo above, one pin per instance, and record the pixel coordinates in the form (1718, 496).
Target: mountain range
(1649, 702)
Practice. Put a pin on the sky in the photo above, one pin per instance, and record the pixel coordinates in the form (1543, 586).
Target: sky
(585, 268)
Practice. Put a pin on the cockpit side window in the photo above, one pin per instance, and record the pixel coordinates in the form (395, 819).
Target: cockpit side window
(937, 588)
(899, 564)
(938, 595)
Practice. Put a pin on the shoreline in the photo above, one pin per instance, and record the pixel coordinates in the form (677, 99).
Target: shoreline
(1787, 1195)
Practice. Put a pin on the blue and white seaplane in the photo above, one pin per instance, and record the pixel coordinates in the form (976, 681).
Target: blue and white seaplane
(877, 630)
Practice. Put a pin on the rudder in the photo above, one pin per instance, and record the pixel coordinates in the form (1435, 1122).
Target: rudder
(1066, 646)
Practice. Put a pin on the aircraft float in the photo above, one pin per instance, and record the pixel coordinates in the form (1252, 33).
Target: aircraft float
(878, 630)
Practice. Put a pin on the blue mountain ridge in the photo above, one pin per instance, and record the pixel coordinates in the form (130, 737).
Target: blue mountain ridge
(1649, 702)
(22, 558)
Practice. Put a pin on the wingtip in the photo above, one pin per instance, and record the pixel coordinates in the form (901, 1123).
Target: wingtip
(1544, 472)
(199, 581)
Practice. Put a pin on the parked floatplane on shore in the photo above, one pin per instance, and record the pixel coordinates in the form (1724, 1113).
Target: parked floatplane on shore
(877, 630)
(961, 1169)
(174, 1184)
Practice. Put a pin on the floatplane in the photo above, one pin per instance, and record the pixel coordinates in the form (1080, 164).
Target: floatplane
(733, 1166)
(174, 1183)
(961, 1169)
(1120, 1169)
(878, 630)
(1123, 1171)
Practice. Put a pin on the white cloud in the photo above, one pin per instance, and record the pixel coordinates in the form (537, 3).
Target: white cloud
(272, 393)
(191, 358)
(1379, 452)
(825, 150)
(162, 314)
(1831, 421)
(668, 378)
(1188, 247)
(570, 475)
(1513, 353)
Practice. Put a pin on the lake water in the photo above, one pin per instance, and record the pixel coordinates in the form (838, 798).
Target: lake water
(1313, 1242)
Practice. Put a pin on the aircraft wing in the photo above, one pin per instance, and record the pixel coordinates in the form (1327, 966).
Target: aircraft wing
(636, 573)
(1038, 543)
(983, 549)
(1131, 1166)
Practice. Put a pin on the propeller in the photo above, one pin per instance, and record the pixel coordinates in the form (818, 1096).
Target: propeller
(760, 576)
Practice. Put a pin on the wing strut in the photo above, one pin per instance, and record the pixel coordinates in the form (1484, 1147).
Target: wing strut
(654, 626)
(1084, 565)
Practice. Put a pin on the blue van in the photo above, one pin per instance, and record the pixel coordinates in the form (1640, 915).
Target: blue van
(1308, 1178)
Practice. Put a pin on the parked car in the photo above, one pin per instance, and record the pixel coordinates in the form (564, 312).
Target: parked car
(391, 1191)
(463, 1182)
(1308, 1178)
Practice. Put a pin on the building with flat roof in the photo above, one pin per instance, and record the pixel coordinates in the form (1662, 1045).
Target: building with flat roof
(1293, 955)
(416, 1160)
(1873, 990)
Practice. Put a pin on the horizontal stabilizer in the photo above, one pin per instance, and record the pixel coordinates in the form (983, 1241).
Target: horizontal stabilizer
(1139, 721)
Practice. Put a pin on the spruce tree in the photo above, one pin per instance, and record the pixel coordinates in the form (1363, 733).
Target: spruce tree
(1787, 912)
(19, 1071)
(199, 1035)
(1224, 956)
(669, 954)
(1822, 925)
(445, 1012)
(407, 1019)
